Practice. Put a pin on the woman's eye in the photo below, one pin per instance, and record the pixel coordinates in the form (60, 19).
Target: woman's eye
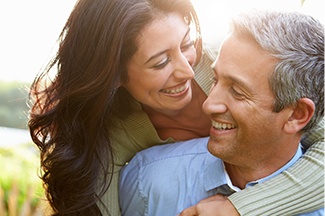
(162, 65)
(186, 46)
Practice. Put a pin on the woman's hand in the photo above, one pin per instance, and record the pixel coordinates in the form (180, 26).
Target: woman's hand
(217, 205)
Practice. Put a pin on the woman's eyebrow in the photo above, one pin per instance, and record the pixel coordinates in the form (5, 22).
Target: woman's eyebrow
(156, 55)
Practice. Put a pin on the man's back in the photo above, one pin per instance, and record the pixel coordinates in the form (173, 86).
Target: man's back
(166, 179)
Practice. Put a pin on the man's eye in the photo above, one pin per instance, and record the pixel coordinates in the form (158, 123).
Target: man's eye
(162, 65)
(236, 94)
(185, 47)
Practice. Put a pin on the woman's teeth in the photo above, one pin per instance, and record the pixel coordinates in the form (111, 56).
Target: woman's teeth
(222, 126)
(174, 91)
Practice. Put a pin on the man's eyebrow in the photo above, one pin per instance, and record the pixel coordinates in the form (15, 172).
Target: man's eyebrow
(234, 79)
(239, 81)
(162, 52)
(187, 33)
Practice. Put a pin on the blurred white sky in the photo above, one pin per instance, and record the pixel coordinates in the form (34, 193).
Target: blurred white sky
(29, 28)
(215, 14)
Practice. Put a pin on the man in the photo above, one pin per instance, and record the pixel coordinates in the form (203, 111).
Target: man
(268, 90)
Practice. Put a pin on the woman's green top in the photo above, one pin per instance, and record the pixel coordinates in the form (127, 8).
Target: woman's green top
(301, 185)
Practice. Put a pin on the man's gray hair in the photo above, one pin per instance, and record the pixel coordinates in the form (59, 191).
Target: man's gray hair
(297, 40)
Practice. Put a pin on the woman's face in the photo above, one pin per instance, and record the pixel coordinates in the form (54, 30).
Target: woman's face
(160, 72)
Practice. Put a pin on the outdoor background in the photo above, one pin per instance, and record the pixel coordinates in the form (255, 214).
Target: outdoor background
(29, 30)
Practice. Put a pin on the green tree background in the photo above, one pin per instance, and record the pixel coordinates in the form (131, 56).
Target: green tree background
(13, 104)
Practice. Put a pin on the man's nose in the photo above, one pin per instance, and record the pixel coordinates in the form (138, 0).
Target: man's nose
(215, 103)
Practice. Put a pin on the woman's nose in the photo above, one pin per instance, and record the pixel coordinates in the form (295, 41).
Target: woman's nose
(184, 63)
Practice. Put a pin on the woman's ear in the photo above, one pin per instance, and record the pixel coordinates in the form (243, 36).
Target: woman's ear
(301, 115)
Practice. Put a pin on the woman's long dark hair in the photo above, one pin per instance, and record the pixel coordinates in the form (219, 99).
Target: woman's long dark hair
(70, 113)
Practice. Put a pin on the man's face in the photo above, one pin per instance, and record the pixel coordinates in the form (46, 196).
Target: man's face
(244, 127)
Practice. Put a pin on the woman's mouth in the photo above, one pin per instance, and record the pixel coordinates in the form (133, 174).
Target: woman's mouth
(174, 90)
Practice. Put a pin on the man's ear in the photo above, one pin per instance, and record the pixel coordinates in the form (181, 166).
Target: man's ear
(301, 115)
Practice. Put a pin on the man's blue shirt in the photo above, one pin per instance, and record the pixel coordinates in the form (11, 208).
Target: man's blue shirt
(166, 179)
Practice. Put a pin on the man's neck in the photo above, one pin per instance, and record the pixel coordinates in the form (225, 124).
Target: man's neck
(242, 174)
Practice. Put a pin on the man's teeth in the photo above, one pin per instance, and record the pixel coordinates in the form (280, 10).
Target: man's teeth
(174, 91)
(222, 126)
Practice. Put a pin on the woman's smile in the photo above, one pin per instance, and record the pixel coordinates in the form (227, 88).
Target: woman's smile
(177, 90)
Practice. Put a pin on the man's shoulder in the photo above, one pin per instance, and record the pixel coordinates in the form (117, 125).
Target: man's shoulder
(174, 150)
(163, 162)
(164, 173)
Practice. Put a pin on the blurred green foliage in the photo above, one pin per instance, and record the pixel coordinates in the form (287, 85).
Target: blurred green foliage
(22, 191)
(13, 104)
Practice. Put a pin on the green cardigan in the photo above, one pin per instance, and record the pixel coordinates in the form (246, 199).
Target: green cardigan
(279, 195)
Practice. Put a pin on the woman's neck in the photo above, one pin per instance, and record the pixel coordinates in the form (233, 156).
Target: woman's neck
(188, 123)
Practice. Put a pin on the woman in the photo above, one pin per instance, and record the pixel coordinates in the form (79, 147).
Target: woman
(124, 83)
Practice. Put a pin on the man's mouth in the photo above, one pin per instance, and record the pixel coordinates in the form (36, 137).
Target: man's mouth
(222, 126)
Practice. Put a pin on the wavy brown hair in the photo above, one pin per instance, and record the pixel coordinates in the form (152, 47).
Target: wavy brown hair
(70, 114)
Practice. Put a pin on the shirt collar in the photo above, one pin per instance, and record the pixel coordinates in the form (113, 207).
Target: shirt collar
(215, 174)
